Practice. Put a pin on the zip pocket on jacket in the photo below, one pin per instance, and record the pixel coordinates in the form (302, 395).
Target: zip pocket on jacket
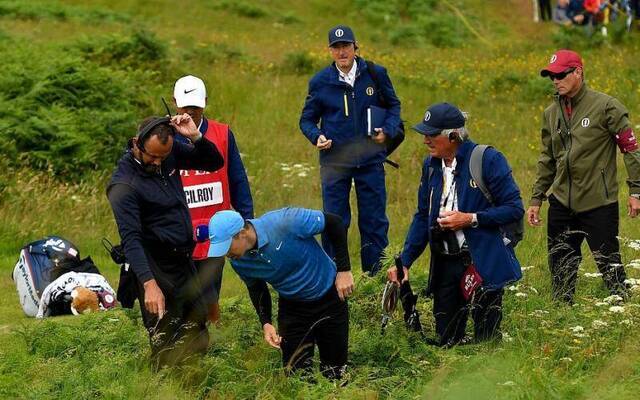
(346, 106)
(604, 182)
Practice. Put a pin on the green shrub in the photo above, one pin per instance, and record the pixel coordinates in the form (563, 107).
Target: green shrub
(140, 49)
(299, 62)
(38, 9)
(243, 9)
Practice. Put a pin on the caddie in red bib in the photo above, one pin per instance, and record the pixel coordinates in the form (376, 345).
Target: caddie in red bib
(209, 192)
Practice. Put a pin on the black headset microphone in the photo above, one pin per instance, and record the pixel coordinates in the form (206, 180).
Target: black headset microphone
(144, 133)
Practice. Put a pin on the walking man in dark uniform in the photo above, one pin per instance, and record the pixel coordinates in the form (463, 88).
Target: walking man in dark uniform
(343, 98)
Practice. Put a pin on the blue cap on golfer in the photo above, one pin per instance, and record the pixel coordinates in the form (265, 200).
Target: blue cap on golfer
(222, 227)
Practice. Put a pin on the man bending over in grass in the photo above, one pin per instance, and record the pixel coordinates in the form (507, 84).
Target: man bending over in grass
(279, 248)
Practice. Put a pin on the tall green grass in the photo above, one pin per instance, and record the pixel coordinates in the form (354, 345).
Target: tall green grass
(71, 93)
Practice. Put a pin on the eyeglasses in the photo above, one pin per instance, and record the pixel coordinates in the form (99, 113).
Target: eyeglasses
(560, 75)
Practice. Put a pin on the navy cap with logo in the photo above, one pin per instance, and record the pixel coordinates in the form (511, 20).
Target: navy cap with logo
(439, 117)
(341, 33)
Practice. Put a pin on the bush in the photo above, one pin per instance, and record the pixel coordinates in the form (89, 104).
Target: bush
(243, 9)
(299, 62)
(415, 22)
(37, 9)
(141, 49)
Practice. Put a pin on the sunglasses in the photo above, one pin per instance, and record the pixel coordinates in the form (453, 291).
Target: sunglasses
(560, 75)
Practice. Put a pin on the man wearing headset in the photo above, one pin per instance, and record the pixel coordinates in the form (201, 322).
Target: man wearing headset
(152, 215)
(463, 229)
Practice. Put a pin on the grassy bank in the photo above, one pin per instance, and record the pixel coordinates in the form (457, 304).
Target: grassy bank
(77, 77)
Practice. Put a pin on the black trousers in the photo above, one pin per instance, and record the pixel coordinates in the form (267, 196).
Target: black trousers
(182, 331)
(323, 322)
(451, 310)
(545, 10)
(567, 230)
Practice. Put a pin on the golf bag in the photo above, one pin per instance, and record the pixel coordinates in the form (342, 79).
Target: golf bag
(40, 263)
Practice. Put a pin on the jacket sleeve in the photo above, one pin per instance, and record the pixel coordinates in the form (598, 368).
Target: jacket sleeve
(311, 113)
(392, 116)
(546, 166)
(126, 210)
(617, 118)
(336, 234)
(202, 155)
(240, 192)
(418, 235)
(507, 205)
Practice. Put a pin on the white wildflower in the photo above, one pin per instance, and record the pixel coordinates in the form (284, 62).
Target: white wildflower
(613, 299)
(297, 165)
(534, 290)
(576, 329)
(632, 281)
(626, 322)
(285, 168)
(634, 244)
(302, 174)
(286, 185)
(592, 274)
(528, 267)
(598, 324)
(539, 313)
(616, 309)
(601, 303)
(520, 294)
(566, 359)
(506, 337)
(513, 288)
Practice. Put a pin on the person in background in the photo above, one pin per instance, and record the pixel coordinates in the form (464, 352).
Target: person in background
(210, 191)
(577, 173)
(335, 120)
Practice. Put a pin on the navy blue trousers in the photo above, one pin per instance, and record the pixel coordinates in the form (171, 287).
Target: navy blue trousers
(371, 195)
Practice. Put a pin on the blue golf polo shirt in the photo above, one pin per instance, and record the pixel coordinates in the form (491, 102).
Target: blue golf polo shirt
(288, 256)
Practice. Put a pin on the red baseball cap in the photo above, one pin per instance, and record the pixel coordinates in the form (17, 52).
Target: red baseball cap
(561, 61)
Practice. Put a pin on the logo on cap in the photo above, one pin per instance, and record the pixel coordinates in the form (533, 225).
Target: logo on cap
(339, 32)
(585, 122)
(427, 116)
(370, 91)
(553, 59)
(188, 91)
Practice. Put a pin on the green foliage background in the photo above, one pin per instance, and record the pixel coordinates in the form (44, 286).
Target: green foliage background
(78, 76)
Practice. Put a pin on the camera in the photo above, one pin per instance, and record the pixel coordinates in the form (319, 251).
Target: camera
(440, 236)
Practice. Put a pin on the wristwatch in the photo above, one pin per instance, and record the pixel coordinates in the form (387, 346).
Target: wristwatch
(474, 220)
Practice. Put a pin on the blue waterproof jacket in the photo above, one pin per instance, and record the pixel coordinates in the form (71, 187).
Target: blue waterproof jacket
(341, 111)
(495, 261)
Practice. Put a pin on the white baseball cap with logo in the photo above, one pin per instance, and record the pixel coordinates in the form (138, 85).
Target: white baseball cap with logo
(190, 91)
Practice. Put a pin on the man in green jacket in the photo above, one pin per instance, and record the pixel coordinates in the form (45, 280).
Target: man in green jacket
(577, 166)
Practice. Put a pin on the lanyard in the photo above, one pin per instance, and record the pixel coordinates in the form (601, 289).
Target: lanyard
(444, 201)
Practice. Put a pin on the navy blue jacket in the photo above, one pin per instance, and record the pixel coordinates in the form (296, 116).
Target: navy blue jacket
(151, 209)
(342, 113)
(495, 261)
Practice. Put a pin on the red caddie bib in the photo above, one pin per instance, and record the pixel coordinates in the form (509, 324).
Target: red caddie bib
(208, 192)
